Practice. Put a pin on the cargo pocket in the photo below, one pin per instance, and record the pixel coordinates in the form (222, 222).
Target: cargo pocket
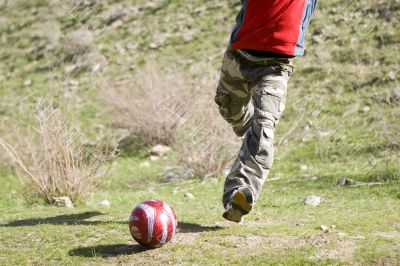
(265, 152)
(268, 105)
(223, 102)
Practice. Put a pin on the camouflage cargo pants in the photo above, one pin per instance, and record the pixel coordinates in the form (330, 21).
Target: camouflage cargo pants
(251, 96)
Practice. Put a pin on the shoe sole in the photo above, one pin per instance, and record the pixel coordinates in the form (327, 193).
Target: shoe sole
(239, 207)
(240, 201)
(233, 215)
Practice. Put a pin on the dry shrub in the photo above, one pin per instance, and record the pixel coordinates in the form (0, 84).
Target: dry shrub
(206, 144)
(49, 153)
(153, 107)
(165, 109)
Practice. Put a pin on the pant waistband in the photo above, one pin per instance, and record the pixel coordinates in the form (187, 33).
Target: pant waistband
(286, 62)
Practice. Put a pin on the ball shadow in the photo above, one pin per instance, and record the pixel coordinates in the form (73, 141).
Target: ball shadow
(196, 228)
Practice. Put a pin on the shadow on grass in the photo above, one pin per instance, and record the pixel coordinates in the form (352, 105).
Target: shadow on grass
(196, 228)
(68, 219)
(106, 251)
(115, 250)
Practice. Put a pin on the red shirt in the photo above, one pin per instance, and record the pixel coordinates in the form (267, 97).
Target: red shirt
(273, 25)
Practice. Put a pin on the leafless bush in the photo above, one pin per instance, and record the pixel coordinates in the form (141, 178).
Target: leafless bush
(78, 42)
(152, 107)
(164, 108)
(206, 144)
(51, 156)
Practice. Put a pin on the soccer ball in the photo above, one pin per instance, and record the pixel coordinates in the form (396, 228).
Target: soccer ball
(152, 223)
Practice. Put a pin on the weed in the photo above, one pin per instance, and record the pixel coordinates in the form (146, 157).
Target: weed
(51, 156)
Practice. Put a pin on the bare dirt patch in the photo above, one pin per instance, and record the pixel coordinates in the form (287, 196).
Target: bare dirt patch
(251, 224)
(326, 245)
(185, 238)
(265, 242)
(329, 247)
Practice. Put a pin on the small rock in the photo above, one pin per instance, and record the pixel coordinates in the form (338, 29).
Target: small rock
(27, 83)
(154, 158)
(303, 167)
(63, 202)
(188, 173)
(324, 228)
(392, 75)
(344, 181)
(153, 45)
(333, 226)
(105, 203)
(312, 200)
(145, 164)
(341, 235)
(306, 138)
(189, 195)
(171, 177)
(159, 150)
(365, 109)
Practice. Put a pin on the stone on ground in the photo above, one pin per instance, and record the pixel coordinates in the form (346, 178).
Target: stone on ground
(63, 202)
(159, 150)
(312, 200)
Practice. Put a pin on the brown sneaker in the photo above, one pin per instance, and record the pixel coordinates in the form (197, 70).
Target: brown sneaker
(240, 203)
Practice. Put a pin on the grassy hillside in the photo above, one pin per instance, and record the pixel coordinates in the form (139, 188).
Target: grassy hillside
(342, 120)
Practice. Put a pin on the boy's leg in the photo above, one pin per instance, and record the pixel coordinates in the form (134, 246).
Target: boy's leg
(233, 95)
(255, 158)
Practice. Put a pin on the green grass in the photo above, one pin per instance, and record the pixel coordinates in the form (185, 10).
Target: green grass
(281, 230)
(325, 133)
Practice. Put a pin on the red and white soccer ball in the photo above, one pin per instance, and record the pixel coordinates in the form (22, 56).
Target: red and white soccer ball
(152, 223)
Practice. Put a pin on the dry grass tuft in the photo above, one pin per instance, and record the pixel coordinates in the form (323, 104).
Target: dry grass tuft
(165, 109)
(207, 144)
(49, 153)
(153, 107)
